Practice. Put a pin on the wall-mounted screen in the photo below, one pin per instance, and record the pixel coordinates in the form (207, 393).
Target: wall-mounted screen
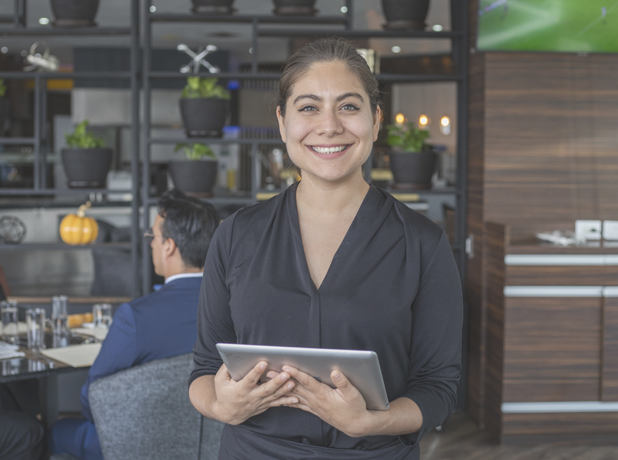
(587, 26)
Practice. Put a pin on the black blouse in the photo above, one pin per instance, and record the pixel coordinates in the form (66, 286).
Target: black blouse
(392, 287)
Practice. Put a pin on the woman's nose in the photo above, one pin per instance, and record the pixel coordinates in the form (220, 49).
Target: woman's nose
(329, 124)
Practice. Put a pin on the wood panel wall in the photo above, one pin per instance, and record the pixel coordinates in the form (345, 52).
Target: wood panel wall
(609, 389)
(543, 152)
(550, 139)
(496, 242)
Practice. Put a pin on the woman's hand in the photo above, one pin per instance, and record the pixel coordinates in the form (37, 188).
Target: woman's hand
(237, 401)
(344, 407)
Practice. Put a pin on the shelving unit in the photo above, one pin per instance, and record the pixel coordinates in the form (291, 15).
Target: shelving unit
(40, 142)
(261, 26)
(457, 36)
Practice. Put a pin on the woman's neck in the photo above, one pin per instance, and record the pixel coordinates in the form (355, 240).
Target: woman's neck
(320, 197)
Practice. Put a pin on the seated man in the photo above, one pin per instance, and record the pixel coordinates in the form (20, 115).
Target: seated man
(159, 325)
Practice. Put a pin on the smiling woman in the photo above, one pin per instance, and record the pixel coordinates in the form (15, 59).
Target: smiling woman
(331, 263)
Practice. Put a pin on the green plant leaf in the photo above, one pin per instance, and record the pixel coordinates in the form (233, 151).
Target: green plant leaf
(2, 88)
(80, 138)
(198, 87)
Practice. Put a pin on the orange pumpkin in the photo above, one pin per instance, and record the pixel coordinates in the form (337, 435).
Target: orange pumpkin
(78, 229)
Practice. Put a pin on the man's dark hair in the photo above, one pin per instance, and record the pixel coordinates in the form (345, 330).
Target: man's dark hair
(190, 222)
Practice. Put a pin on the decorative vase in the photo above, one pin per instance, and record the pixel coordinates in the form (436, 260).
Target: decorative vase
(405, 14)
(86, 168)
(212, 6)
(4, 112)
(194, 177)
(295, 7)
(413, 171)
(204, 117)
(74, 13)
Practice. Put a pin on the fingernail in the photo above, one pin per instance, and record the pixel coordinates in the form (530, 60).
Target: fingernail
(337, 376)
(290, 385)
(262, 366)
(284, 377)
(271, 375)
(294, 401)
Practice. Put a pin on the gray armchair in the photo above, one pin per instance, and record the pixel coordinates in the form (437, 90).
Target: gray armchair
(145, 413)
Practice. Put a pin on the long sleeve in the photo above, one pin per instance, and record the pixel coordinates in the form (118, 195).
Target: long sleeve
(118, 352)
(435, 360)
(214, 319)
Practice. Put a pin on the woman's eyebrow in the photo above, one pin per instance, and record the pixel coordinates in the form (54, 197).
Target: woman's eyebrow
(319, 99)
(346, 95)
(308, 96)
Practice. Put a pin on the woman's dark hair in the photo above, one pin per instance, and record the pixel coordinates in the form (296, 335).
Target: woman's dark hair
(190, 222)
(334, 49)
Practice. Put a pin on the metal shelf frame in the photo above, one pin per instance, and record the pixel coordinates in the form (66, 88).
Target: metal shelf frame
(40, 142)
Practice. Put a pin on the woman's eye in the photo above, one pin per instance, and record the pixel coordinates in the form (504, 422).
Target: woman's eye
(307, 108)
(350, 107)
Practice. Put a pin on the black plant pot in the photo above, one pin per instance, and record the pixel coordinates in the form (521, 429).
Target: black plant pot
(74, 13)
(204, 117)
(405, 14)
(413, 171)
(212, 6)
(86, 168)
(4, 112)
(196, 178)
(295, 7)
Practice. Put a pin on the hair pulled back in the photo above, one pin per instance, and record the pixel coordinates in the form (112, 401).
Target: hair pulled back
(333, 49)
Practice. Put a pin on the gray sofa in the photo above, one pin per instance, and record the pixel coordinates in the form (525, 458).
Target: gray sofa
(145, 413)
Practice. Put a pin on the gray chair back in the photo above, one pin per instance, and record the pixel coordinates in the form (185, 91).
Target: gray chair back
(144, 413)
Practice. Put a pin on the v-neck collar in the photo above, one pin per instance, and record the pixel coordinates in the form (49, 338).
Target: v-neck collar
(365, 218)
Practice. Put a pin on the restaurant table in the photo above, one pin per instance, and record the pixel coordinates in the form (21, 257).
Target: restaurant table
(46, 370)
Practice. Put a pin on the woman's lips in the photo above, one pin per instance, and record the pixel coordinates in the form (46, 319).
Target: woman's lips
(329, 152)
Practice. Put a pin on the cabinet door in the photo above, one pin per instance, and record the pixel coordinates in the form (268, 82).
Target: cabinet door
(609, 387)
(552, 347)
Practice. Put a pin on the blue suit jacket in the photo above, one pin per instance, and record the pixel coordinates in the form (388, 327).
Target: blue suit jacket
(160, 325)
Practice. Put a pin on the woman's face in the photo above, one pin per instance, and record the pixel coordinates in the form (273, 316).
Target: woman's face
(328, 126)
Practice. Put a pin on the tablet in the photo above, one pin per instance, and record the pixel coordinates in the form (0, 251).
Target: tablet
(361, 367)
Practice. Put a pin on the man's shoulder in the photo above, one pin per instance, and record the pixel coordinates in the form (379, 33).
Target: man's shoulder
(176, 290)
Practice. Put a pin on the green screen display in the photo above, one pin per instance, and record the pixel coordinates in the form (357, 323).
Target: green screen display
(587, 26)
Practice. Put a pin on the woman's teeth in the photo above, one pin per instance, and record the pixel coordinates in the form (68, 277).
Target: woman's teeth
(329, 150)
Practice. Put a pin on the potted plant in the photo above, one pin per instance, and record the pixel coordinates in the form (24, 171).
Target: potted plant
(295, 7)
(204, 107)
(74, 13)
(86, 161)
(212, 6)
(405, 14)
(198, 173)
(412, 161)
(4, 105)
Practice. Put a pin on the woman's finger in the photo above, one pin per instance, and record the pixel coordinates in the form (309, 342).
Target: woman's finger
(305, 379)
(250, 380)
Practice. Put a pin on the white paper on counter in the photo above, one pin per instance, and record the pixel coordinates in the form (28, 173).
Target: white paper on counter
(75, 355)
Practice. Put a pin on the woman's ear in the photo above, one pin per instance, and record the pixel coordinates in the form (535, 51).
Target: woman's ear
(281, 123)
(377, 120)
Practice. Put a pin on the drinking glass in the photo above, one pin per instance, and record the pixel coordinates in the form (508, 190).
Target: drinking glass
(35, 322)
(9, 322)
(102, 315)
(60, 321)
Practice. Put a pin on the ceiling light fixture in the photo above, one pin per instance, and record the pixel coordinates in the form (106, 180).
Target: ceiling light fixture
(4, 50)
(344, 9)
(423, 121)
(43, 21)
(399, 118)
(153, 9)
(396, 49)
